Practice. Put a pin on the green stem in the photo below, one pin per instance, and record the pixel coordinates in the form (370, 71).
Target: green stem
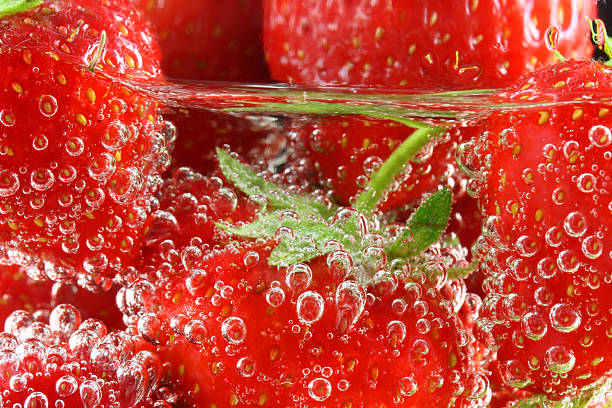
(368, 200)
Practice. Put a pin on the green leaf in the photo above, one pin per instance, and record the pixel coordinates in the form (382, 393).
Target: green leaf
(597, 395)
(425, 226)
(265, 226)
(9, 7)
(307, 238)
(245, 179)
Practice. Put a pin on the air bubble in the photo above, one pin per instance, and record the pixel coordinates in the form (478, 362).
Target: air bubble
(586, 183)
(125, 186)
(350, 303)
(275, 296)
(64, 320)
(7, 118)
(102, 167)
(9, 183)
(233, 330)
(246, 367)
(47, 105)
(592, 247)
(319, 389)
(309, 307)
(407, 386)
(195, 331)
(396, 331)
(559, 359)
(534, 326)
(568, 261)
(36, 400)
(42, 179)
(564, 318)
(116, 136)
(298, 278)
(90, 393)
(66, 386)
(600, 136)
(40, 143)
(75, 146)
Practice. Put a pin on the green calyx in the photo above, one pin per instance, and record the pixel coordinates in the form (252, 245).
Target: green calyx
(10, 7)
(597, 395)
(305, 228)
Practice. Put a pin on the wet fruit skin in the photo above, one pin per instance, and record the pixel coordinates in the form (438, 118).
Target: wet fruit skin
(80, 154)
(542, 176)
(459, 44)
(213, 40)
(241, 335)
(69, 362)
(20, 292)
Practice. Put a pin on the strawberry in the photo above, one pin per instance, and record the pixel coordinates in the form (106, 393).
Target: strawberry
(345, 151)
(74, 363)
(200, 132)
(432, 43)
(81, 153)
(541, 174)
(209, 39)
(21, 292)
(313, 304)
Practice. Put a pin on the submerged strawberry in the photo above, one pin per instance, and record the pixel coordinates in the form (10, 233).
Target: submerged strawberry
(542, 175)
(219, 40)
(80, 153)
(437, 43)
(201, 132)
(22, 292)
(314, 305)
(346, 151)
(72, 363)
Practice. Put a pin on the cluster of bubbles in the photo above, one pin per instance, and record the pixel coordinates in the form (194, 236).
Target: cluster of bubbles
(89, 366)
(543, 249)
(106, 177)
(417, 296)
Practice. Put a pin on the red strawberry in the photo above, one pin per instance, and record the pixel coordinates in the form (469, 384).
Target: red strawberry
(72, 363)
(437, 43)
(21, 292)
(200, 132)
(542, 175)
(319, 309)
(282, 344)
(346, 151)
(81, 154)
(209, 39)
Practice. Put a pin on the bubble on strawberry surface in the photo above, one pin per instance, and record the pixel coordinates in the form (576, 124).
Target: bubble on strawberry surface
(309, 307)
(275, 296)
(125, 185)
(319, 389)
(7, 117)
(298, 278)
(9, 183)
(234, 330)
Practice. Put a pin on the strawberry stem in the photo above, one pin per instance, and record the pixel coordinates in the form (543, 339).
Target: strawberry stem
(381, 180)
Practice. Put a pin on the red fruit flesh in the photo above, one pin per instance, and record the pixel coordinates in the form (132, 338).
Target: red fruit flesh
(542, 176)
